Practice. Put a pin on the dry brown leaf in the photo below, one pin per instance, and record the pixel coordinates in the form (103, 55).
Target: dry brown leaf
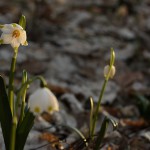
(109, 148)
(51, 138)
(122, 11)
(113, 111)
(126, 79)
(58, 89)
(134, 123)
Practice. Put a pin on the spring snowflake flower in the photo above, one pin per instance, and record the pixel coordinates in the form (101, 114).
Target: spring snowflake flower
(112, 71)
(43, 100)
(13, 34)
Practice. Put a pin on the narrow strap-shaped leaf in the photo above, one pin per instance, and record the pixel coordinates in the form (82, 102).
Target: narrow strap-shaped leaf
(78, 132)
(5, 113)
(23, 130)
(91, 116)
(114, 124)
(101, 133)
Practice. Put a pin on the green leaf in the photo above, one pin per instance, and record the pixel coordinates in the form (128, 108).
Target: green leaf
(101, 133)
(114, 124)
(5, 113)
(91, 115)
(79, 133)
(23, 130)
(143, 106)
(1, 41)
(1, 26)
(22, 21)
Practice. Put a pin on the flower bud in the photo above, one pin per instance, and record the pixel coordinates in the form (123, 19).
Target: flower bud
(108, 72)
(43, 100)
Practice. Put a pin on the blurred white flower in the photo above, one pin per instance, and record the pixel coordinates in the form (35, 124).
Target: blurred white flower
(13, 34)
(112, 71)
(43, 100)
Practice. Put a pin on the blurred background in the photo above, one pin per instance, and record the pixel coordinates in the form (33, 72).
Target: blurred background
(69, 44)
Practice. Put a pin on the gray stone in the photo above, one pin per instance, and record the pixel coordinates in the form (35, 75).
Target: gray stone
(126, 34)
(145, 134)
(77, 17)
(41, 124)
(64, 118)
(61, 67)
(74, 104)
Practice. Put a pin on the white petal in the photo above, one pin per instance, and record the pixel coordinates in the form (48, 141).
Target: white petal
(7, 38)
(17, 26)
(106, 70)
(14, 43)
(36, 100)
(8, 28)
(112, 71)
(44, 99)
(53, 102)
(22, 38)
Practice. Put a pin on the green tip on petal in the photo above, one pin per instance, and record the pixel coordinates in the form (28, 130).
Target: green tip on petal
(1, 26)
(14, 24)
(1, 41)
(22, 21)
(25, 43)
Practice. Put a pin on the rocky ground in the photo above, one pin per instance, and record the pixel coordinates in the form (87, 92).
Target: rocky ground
(69, 44)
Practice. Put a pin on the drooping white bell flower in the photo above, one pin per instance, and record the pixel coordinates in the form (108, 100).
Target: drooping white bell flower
(14, 35)
(112, 71)
(43, 100)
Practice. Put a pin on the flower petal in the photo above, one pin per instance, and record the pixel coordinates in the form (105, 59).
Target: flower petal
(112, 71)
(22, 38)
(7, 38)
(14, 43)
(53, 102)
(8, 28)
(17, 26)
(36, 100)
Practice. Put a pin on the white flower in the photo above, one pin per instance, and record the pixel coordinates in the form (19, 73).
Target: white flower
(43, 100)
(112, 71)
(13, 34)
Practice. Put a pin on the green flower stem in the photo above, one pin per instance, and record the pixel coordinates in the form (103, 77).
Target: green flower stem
(112, 60)
(27, 83)
(22, 92)
(22, 107)
(97, 108)
(11, 81)
(24, 80)
(13, 134)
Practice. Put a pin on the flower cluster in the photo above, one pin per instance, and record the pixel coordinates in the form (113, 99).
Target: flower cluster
(15, 128)
(42, 99)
